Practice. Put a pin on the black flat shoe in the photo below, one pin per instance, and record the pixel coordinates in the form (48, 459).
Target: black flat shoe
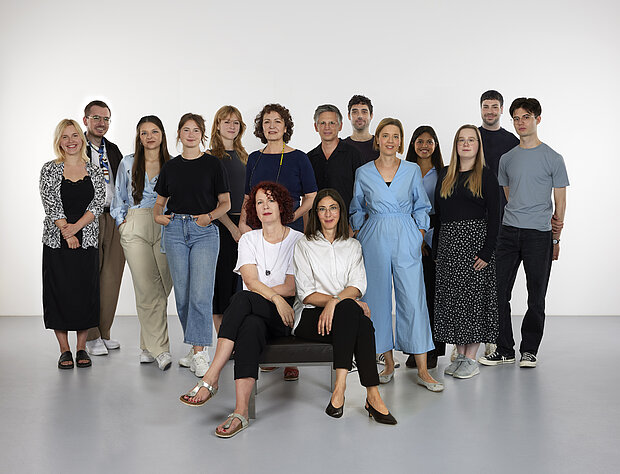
(83, 355)
(65, 357)
(334, 412)
(379, 417)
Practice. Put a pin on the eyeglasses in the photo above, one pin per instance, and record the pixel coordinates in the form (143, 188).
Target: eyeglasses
(469, 141)
(523, 118)
(333, 209)
(97, 118)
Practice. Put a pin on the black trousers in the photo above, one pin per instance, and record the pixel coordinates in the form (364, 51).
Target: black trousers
(534, 248)
(226, 280)
(430, 274)
(248, 321)
(352, 334)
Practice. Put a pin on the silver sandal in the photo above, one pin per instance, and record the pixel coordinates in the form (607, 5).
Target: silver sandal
(194, 391)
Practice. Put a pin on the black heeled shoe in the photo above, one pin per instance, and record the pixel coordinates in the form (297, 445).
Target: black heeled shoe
(334, 412)
(378, 416)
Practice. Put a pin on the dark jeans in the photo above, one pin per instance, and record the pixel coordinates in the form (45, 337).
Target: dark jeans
(534, 249)
(248, 321)
(430, 275)
(352, 334)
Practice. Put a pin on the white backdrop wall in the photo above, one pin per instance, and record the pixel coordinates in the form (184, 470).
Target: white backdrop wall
(423, 62)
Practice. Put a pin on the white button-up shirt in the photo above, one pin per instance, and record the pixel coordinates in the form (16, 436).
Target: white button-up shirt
(328, 268)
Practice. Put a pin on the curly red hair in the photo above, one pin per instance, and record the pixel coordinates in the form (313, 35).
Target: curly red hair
(277, 192)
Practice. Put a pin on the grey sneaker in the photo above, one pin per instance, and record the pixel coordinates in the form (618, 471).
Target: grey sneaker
(496, 359)
(528, 360)
(467, 369)
(454, 365)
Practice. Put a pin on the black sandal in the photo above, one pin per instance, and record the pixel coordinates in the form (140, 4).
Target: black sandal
(82, 355)
(65, 357)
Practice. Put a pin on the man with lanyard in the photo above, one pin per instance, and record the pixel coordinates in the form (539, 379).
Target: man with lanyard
(360, 115)
(530, 174)
(107, 156)
(334, 162)
(495, 142)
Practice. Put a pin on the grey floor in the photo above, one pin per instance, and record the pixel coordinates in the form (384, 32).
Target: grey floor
(120, 416)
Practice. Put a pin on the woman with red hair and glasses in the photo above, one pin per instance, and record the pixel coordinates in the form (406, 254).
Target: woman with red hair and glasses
(265, 306)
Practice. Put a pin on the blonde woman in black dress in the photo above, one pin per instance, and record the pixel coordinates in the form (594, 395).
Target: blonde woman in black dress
(73, 193)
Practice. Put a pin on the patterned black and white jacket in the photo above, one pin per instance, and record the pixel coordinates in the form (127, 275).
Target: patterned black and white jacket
(49, 187)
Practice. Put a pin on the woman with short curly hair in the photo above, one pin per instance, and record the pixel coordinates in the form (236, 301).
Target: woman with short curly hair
(263, 309)
(280, 163)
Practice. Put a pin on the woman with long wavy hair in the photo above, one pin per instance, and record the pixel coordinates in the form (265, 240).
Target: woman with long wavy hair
(132, 208)
(225, 143)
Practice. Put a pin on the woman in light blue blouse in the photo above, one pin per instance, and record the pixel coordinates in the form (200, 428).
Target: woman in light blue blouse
(132, 209)
(424, 150)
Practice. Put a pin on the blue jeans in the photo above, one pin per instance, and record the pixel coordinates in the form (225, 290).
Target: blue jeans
(534, 248)
(192, 256)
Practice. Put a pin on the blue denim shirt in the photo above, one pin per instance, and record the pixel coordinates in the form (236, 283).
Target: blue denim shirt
(123, 199)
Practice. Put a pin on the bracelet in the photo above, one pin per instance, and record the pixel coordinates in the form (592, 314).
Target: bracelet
(338, 297)
(210, 217)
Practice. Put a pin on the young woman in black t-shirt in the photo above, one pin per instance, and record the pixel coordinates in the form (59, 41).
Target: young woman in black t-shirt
(194, 187)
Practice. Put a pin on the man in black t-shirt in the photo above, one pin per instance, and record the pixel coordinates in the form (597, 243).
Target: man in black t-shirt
(334, 161)
(360, 115)
(495, 142)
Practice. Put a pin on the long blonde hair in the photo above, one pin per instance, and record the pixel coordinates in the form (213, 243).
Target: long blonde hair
(474, 181)
(215, 143)
(60, 128)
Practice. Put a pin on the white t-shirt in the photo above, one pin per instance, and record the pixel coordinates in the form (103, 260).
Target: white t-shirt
(328, 268)
(273, 261)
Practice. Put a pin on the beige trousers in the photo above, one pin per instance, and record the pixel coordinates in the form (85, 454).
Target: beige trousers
(111, 266)
(140, 238)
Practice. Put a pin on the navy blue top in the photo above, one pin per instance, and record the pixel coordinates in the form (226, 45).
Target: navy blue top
(295, 174)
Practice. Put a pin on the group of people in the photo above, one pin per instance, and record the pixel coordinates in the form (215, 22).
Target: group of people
(340, 229)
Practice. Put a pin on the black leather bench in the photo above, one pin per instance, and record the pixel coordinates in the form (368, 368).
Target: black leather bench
(292, 351)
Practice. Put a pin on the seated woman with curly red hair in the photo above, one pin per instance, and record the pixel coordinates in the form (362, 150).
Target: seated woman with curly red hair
(263, 309)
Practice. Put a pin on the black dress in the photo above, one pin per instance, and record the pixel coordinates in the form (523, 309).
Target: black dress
(71, 276)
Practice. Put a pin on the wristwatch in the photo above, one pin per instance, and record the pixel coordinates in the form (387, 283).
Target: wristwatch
(556, 241)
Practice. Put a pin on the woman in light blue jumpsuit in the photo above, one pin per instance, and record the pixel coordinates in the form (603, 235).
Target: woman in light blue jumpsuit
(390, 192)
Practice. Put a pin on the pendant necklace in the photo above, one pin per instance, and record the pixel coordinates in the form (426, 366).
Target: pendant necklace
(268, 272)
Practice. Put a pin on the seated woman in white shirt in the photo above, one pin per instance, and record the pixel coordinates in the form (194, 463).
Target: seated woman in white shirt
(330, 278)
(263, 309)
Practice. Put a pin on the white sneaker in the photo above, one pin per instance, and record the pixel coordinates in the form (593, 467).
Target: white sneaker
(111, 344)
(187, 360)
(164, 360)
(96, 347)
(200, 363)
(146, 357)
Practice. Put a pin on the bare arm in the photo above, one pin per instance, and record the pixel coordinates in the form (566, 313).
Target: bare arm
(306, 204)
(223, 206)
(69, 230)
(230, 225)
(158, 211)
(506, 192)
(243, 226)
(557, 221)
(329, 302)
(276, 295)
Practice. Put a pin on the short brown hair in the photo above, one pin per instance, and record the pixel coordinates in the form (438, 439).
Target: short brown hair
(384, 123)
(95, 103)
(277, 192)
(313, 225)
(282, 112)
(199, 121)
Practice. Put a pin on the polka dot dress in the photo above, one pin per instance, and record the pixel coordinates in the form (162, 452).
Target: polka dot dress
(465, 299)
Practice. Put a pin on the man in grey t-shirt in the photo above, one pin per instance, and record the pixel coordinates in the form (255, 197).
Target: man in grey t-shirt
(530, 232)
